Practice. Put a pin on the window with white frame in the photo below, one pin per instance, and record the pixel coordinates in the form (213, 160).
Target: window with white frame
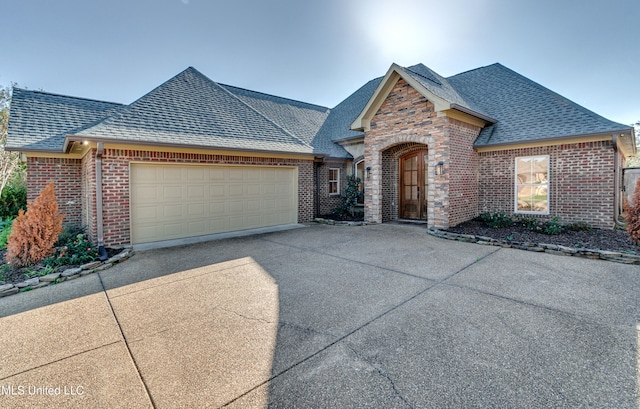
(532, 184)
(334, 181)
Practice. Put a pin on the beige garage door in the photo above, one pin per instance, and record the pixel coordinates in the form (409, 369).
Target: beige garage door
(177, 201)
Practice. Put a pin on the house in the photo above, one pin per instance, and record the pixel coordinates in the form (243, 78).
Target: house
(194, 157)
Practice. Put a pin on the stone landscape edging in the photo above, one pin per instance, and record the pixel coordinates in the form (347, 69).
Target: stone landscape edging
(338, 223)
(66, 275)
(615, 256)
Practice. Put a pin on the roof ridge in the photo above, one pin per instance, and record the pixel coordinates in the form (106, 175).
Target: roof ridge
(426, 78)
(497, 64)
(275, 96)
(54, 94)
(256, 111)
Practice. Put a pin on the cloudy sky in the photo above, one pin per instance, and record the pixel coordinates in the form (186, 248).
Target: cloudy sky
(320, 51)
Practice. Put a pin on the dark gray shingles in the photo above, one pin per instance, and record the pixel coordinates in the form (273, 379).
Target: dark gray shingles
(338, 124)
(192, 110)
(40, 120)
(298, 118)
(525, 110)
(440, 86)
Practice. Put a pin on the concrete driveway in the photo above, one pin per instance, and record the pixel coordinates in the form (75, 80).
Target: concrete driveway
(329, 317)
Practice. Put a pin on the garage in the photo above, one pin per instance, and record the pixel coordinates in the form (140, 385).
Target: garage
(176, 201)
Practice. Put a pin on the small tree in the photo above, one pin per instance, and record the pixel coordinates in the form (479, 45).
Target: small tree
(350, 196)
(35, 232)
(632, 215)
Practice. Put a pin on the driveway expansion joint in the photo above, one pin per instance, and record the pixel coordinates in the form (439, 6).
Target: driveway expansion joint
(126, 343)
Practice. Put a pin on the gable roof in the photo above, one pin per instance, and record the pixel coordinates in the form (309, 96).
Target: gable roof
(525, 110)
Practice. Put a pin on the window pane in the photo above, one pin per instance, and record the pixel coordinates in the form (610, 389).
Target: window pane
(525, 198)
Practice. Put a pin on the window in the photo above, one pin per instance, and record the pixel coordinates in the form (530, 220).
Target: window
(360, 175)
(532, 184)
(334, 181)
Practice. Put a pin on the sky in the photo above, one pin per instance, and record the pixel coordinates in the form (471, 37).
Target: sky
(321, 51)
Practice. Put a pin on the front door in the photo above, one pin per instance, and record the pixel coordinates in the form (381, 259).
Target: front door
(413, 186)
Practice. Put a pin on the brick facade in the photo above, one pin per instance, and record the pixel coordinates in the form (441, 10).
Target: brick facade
(66, 175)
(581, 181)
(327, 202)
(407, 121)
(115, 182)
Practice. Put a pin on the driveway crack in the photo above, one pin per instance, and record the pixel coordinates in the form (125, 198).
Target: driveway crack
(382, 374)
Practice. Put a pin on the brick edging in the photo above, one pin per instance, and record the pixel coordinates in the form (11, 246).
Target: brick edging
(66, 275)
(615, 256)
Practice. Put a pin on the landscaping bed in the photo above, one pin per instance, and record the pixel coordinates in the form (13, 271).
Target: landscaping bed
(600, 239)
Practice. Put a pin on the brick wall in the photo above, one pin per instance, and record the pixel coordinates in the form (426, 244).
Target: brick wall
(115, 173)
(462, 172)
(329, 202)
(581, 181)
(87, 190)
(66, 175)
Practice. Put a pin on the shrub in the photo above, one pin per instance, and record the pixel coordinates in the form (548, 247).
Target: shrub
(528, 221)
(35, 232)
(13, 198)
(350, 196)
(579, 226)
(632, 215)
(5, 229)
(72, 250)
(496, 220)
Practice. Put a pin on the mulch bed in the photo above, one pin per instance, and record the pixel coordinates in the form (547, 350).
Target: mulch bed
(17, 275)
(598, 239)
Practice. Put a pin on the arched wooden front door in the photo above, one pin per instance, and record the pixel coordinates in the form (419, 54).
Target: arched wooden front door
(412, 191)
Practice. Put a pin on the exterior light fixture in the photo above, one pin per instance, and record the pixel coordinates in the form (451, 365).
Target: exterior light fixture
(368, 169)
(439, 168)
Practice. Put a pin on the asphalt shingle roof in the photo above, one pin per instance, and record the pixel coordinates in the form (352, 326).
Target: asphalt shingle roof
(192, 110)
(525, 110)
(40, 120)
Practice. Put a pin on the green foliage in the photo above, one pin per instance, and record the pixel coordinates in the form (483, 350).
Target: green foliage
(528, 221)
(72, 250)
(46, 270)
(12, 199)
(5, 269)
(350, 196)
(579, 226)
(496, 220)
(550, 227)
(5, 230)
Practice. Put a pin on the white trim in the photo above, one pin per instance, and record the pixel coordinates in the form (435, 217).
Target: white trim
(336, 181)
(515, 184)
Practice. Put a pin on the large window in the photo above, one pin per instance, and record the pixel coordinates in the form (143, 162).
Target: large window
(334, 181)
(532, 184)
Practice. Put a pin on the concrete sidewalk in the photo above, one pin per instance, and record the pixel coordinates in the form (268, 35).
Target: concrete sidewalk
(328, 316)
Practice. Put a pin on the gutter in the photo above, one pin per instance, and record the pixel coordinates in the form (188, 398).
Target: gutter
(100, 228)
(616, 182)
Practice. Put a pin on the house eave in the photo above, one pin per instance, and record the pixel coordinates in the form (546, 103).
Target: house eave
(625, 135)
(111, 141)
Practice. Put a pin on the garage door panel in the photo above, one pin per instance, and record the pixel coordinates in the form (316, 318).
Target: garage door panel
(173, 201)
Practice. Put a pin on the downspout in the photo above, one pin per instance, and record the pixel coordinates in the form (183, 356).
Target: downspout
(616, 182)
(101, 250)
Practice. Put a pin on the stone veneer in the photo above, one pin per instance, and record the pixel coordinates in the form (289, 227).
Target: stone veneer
(407, 121)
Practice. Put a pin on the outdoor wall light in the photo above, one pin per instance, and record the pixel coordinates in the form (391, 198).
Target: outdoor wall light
(368, 169)
(439, 168)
